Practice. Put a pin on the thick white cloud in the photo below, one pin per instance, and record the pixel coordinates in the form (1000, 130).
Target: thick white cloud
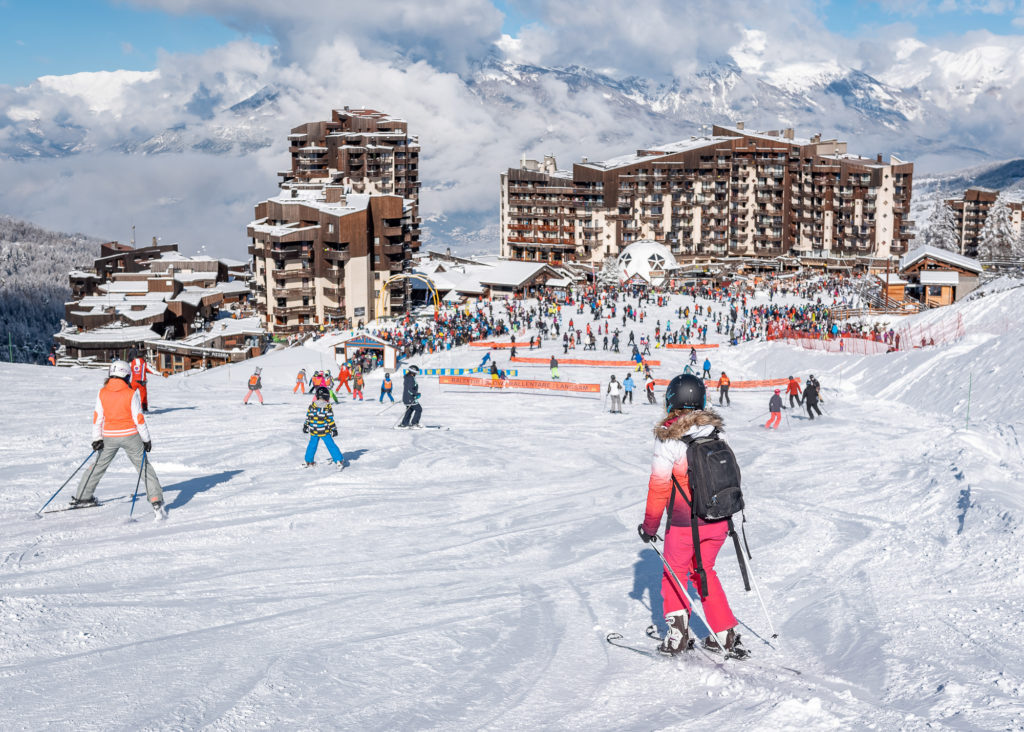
(95, 151)
(448, 35)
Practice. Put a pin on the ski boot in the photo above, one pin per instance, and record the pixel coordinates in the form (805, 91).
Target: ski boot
(159, 512)
(726, 642)
(84, 502)
(677, 639)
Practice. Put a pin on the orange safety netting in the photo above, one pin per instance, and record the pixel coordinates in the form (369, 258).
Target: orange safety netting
(755, 384)
(944, 332)
(522, 384)
(581, 362)
(495, 344)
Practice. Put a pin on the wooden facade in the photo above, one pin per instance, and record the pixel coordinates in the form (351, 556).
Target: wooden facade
(733, 194)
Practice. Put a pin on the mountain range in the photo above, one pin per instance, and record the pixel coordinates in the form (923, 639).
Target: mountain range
(941, 110)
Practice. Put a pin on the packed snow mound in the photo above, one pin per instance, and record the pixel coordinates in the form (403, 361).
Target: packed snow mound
(467, 578)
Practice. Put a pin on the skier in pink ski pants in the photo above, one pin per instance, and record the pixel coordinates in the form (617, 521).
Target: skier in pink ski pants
(685, 400)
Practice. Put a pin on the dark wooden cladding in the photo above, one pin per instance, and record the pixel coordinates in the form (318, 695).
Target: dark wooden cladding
(735, 193)
(353, 211)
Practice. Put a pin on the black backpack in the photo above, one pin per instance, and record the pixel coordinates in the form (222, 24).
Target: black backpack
(714, 481)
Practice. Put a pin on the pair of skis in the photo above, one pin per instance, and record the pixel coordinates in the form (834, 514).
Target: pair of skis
(617, 640)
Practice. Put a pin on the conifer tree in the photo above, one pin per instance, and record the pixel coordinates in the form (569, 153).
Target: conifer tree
(997, 236)
(942, 231)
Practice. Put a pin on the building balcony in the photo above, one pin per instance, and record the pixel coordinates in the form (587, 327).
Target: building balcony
(291, 273)
(290, 310)
(301, 291)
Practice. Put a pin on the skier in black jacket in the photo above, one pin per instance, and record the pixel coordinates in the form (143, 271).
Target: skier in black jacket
(410, 398)
(811, 398)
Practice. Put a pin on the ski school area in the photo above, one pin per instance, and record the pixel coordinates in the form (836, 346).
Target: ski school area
(469, 577)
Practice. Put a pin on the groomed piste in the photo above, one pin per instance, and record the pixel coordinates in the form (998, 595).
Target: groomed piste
(467, 578)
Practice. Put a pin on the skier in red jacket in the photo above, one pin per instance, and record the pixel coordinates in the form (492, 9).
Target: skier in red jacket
(793, 389)
(139, 369)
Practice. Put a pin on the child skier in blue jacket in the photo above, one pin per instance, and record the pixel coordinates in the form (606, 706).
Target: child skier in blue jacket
(319, 425)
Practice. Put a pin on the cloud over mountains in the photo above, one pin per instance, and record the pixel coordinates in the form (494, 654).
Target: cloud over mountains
(185, 150)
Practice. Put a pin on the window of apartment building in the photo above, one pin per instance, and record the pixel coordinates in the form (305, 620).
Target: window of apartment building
(282, 302)
(305, 301)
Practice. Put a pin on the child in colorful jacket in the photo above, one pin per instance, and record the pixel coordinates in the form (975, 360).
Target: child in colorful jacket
(357, 385)
(320, 425)
(386, 387)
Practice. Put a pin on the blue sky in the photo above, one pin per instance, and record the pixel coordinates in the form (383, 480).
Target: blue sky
(930, 19)
(42, 37)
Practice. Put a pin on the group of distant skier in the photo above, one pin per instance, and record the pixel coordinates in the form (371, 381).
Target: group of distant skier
(809, 399)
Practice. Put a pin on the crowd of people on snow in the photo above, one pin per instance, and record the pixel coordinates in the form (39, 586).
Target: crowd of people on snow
(692, 540)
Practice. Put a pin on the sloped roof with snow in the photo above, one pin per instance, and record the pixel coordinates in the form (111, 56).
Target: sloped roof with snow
(943, 255)
(511, 274)
(658, 151)
(111, 334)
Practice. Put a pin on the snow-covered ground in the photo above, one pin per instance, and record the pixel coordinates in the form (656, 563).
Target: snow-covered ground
(466, 579)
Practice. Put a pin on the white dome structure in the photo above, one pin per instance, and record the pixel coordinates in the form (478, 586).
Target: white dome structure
(646, 259)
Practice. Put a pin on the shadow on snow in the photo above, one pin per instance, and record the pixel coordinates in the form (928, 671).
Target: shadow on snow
(189, 488)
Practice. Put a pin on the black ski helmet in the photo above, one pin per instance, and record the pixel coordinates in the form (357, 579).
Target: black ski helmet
(685, 391)
(322, 392)
(414, 369)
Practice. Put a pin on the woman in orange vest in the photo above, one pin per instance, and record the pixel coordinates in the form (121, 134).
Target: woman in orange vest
(723, 390)
(118, 422)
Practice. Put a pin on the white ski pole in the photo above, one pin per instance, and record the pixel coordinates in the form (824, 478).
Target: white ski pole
(760, 599)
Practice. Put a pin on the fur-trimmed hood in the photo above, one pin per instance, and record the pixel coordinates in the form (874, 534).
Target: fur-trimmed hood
(681, 421)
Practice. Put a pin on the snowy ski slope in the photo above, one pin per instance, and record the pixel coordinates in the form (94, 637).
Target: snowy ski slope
(465, 579)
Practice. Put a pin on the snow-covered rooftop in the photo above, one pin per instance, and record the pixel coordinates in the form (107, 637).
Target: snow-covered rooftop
(194, 276)
(657, 151)
(124, 286)
(943, 255)
(218, 329)
(111, 334)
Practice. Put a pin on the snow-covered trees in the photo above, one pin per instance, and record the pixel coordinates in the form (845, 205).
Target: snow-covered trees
(997, 235)
(34, 267)
(942, 231)
(609, 274)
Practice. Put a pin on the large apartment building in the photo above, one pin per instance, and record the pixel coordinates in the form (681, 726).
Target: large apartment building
(970, 212)
(734, 193)
(346, 220)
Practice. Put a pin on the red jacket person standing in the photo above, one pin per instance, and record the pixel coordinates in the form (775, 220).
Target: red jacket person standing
(139, 369)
